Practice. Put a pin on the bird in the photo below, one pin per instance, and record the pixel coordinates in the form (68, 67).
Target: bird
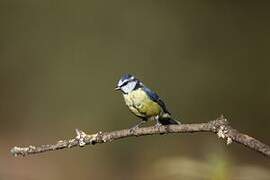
(143, 102)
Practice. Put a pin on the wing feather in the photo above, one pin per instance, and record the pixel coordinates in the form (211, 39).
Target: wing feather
(154, 97)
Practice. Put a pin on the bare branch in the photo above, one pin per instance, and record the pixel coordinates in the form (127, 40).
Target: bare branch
(220, 126)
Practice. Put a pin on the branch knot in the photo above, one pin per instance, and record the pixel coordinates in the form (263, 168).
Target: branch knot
(80, 137)
(223, 133)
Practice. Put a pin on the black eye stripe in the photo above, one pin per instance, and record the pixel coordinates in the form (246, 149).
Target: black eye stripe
(125, 83)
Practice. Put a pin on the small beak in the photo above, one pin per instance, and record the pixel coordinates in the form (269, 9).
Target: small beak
(117, 88)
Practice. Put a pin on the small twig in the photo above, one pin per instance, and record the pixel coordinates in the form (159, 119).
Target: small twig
(220, 126)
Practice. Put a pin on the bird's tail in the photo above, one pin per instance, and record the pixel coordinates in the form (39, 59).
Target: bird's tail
(168, 120)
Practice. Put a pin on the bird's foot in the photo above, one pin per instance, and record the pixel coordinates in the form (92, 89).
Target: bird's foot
(137, 126)
(133, 129)
(158, 125)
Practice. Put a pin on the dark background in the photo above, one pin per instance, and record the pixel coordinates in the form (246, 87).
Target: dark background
(60, 60)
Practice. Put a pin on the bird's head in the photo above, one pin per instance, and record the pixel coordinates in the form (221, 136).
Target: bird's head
(128, 83)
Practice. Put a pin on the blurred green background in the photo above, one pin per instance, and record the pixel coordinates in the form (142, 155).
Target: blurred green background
(60, 60)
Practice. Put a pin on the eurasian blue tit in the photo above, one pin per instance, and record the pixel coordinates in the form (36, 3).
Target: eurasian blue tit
(143, 102)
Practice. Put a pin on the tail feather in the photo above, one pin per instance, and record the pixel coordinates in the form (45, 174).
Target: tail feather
(168, 121)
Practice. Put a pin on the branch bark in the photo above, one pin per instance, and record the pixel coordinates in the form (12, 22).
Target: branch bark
(220, 126)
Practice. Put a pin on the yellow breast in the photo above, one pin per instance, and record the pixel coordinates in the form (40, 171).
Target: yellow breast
(141, 105)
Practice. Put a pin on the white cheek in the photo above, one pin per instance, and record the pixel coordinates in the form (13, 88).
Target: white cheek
(129, 87)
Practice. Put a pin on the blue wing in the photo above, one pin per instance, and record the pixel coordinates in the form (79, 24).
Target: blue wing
(154, 97)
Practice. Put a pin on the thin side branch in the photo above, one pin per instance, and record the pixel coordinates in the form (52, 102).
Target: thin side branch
(220, 126)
